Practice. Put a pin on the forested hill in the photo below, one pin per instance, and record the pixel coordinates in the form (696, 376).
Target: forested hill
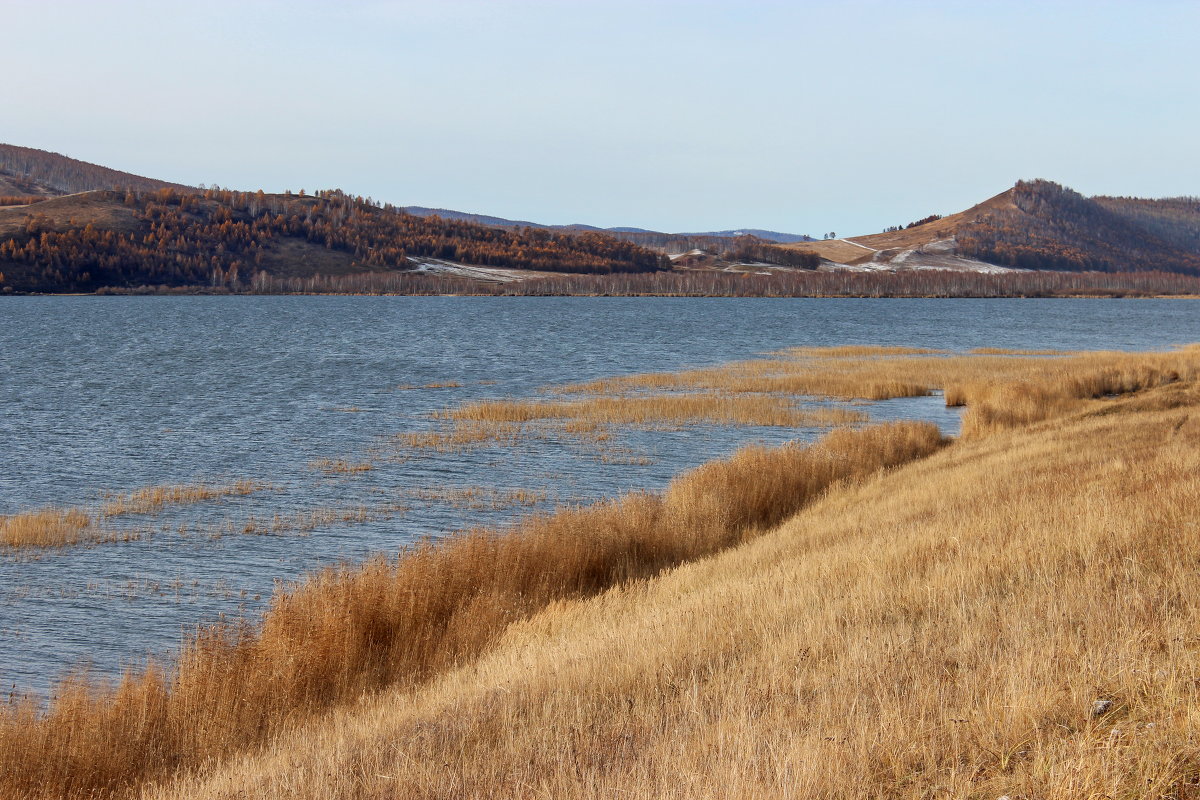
(1037, 225)
(1047, 226)
(226, 239)
(25, 171)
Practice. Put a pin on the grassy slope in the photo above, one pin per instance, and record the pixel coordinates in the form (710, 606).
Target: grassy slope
(942, 630)
(69, 211)
(908, 239)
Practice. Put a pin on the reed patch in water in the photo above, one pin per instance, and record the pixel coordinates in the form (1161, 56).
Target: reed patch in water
(48, 527)
(460, 437)
(150, 499)
(845, 378)
(716, 408)
(480, 498)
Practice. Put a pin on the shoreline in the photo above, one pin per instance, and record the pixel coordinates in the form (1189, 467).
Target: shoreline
(1070, 296)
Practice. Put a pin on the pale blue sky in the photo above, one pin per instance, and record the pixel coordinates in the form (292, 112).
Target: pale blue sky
(801, 116)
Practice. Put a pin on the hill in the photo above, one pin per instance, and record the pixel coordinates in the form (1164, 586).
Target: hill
(668, 242)
(25, 171)
(1037, 225)
(68, 225)
(229, 240)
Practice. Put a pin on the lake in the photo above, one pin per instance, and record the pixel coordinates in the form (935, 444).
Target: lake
(102, 395)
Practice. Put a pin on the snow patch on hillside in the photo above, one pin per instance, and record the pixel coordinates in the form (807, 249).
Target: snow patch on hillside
(437, 266)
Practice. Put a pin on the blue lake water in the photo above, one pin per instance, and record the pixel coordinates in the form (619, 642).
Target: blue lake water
(108, 394)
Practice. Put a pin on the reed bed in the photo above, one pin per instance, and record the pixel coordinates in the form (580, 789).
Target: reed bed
(349, 632)
(150, 499)
(858, 351)
(1016, 375)
(1013, 617)
(717, 408)
(48, 527)
(481, 497)
(305, 521)
(811, 373)
(461, 436)
(1005, 351)
(1061, 386)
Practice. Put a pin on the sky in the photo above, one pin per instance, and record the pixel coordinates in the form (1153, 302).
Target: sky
(804, 117)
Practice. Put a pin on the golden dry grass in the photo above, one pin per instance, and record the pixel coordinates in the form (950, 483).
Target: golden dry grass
(62, 527)
(1005, 351)
(349, 631)
(480, 497)
(48, 527)
(717, 408)
(941, 630)
(811, 372)
(862, 373)
(149, 499)
(858, 351)
(461, 436)
(1057, 386)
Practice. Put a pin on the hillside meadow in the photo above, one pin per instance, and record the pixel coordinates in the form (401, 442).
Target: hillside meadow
(882, 614)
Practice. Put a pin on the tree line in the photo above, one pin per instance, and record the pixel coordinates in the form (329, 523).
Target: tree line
(220, 237)
(68, 175)
(913, 224)
(1051, 227)
(837, 283)
(754, 250)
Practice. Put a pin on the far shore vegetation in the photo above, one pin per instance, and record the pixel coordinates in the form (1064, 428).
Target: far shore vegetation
(712, 283)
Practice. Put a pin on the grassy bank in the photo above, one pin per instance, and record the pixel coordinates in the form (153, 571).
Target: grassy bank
(349, 632)
(875, 615)
(1015, 615)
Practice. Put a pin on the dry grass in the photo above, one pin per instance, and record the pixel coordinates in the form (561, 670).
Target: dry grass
(717, 408)
(480, 497)
(62, 527)
(48, 527)
(1059, 386)
(45, 528)
(333, 466)
(350, 631)
(941, 630)
(1004, 351)
(150, 499)
(858, 351)
(883, 373)
(842, 373)
(461, 436)
(305, 521)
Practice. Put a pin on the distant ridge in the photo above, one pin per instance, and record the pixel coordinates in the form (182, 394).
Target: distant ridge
(41, 173)
(635, 234)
